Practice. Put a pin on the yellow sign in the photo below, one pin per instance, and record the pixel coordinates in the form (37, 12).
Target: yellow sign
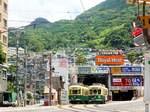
(116, 70)
(145, 21)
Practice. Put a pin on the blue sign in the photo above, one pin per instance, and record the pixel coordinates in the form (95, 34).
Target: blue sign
(84, 70)
(131, 69)
(98, 69)
(136, 81)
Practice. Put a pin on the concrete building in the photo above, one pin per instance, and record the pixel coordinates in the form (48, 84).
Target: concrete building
(12, 55)
(12, 51)
(4, 41)
(3, 78)
(3, 25)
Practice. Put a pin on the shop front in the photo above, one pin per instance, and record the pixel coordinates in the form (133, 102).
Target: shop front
(126, 83)
(93, 74)
(125, 93)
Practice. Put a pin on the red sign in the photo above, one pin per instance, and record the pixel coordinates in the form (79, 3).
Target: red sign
(122, 82)
(137, 32)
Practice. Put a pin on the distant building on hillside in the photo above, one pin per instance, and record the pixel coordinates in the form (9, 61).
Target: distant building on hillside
(12, 54)
(12, 51)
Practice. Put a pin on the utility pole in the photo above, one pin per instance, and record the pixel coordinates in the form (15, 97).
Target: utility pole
(50, 79)
(25, 76)
(17, 67)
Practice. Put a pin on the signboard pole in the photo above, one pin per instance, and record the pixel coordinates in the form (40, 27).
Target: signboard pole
(109, 84)
(146, 107)
(147, 81)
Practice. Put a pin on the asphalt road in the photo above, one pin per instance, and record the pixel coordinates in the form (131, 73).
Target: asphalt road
(126, 106)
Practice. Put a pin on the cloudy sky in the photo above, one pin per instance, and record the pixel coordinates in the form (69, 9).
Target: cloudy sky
(22, 12)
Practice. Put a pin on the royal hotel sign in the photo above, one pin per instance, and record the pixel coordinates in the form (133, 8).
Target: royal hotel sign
(109, 57)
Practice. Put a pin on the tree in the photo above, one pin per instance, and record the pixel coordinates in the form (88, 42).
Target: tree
(132, 56)
(11, 78)
(29, 96)
(81, 59)
(10, 86)
(2, 55)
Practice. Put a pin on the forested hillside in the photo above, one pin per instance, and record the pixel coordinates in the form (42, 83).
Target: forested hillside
(107, 25)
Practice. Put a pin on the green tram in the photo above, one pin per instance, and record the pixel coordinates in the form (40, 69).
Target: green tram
(78, 94)
(98, 94)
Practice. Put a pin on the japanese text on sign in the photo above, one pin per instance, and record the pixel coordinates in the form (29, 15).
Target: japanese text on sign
(131, 69)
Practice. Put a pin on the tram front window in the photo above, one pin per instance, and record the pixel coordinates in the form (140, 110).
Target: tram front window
(94, 92)
(99, 91)
(76, 91)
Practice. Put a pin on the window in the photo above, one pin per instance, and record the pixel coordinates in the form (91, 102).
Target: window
(4, 39)
(5, 7)
(76, 91)
(99, 91)
(5, 23)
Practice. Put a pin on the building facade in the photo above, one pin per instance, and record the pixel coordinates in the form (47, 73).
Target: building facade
(4, 41)
(3, 24)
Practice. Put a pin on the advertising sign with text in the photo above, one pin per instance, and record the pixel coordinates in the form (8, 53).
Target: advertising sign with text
(116, 70)
(98, 69)
(127, 81)
(110, 60)
(131, 69)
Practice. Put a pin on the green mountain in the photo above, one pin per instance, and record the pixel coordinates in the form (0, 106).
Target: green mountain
(107, 25)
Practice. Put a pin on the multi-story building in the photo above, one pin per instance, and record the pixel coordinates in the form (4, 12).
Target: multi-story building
(3, 25)
(4, 41)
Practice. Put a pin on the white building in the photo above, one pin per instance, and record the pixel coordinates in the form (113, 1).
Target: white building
(12, 51)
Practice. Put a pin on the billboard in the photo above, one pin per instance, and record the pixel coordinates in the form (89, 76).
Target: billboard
(84, 70)
(110, 60)
(131, 69)
(127, 81)
(99, 69)
(116, 70)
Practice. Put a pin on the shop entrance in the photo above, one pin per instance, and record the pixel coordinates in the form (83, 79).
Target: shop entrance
(93, 78)
(122, 95)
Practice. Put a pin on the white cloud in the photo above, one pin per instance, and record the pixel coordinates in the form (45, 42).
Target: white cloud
(21, 12)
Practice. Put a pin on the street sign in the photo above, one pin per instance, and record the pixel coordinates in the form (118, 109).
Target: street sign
(139, 40)
(136, 81)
